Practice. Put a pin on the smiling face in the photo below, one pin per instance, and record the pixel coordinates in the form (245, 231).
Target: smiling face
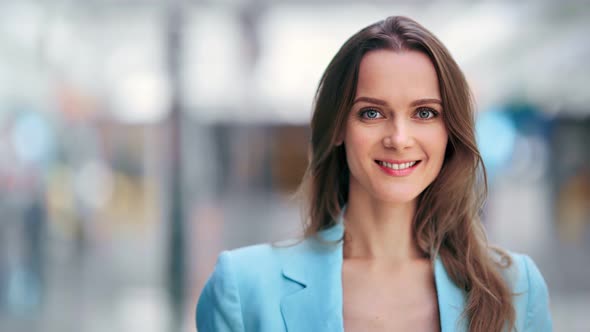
(395, 137)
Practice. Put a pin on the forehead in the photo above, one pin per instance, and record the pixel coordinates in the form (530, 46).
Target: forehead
(397, 74)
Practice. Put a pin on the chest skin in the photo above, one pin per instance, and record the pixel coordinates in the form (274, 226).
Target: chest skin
(386, 298)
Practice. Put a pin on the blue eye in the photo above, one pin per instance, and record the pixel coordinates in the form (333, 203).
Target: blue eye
(370, 114)
(426, 113)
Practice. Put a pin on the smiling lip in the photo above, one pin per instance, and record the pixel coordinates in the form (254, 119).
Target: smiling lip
(397, 172)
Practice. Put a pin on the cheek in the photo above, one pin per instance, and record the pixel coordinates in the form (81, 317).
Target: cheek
(438, 139)
(438, 151)
(358, 141)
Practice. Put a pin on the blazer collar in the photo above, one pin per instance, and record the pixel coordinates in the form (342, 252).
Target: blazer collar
(451, 300)
(315, 265)
(315, 304)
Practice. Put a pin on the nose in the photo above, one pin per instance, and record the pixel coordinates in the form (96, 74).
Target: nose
(398, 135)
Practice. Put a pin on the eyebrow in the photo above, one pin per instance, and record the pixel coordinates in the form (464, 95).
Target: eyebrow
(380, 102)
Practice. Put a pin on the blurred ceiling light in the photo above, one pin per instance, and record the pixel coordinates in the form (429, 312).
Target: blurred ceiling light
(21, 22)
(297, 45)
(123, 58)
(142, 97)
(61, 34)
(552, 70)
(214, 68)
(480, 28)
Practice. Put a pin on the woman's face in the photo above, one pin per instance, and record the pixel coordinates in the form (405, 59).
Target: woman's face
(395, 137)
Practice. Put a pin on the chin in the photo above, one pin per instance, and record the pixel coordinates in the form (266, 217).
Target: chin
(397, 197)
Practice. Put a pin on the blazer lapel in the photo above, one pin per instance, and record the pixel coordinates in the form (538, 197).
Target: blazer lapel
(451, 300)
(315, 267)
(314, 270)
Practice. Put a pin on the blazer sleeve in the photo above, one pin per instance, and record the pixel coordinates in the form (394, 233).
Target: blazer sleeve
(538, 316)
(219, 308)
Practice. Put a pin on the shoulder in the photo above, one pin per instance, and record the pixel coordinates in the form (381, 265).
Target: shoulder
(265, 257)
(237, 274)
(528, 271)
(251, 264)
(531, 294)
(247, 280)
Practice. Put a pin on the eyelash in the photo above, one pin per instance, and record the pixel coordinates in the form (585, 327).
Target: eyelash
(432, 111)
(363, 113)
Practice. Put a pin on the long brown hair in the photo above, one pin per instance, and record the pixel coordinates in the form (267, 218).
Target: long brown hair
(447, 221)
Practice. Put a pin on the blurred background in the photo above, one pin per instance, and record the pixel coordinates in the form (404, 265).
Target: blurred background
(138, 138)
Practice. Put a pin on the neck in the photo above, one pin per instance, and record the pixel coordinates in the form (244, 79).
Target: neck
(379, 230)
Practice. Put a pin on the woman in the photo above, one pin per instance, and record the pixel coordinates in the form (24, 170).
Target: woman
(394, 187)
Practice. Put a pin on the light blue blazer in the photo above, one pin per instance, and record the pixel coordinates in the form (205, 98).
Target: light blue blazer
(298, 288)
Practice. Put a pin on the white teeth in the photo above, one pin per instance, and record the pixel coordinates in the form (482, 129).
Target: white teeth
(398, 166)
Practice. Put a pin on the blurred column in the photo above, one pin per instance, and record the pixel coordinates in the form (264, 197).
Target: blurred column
(176, 242)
